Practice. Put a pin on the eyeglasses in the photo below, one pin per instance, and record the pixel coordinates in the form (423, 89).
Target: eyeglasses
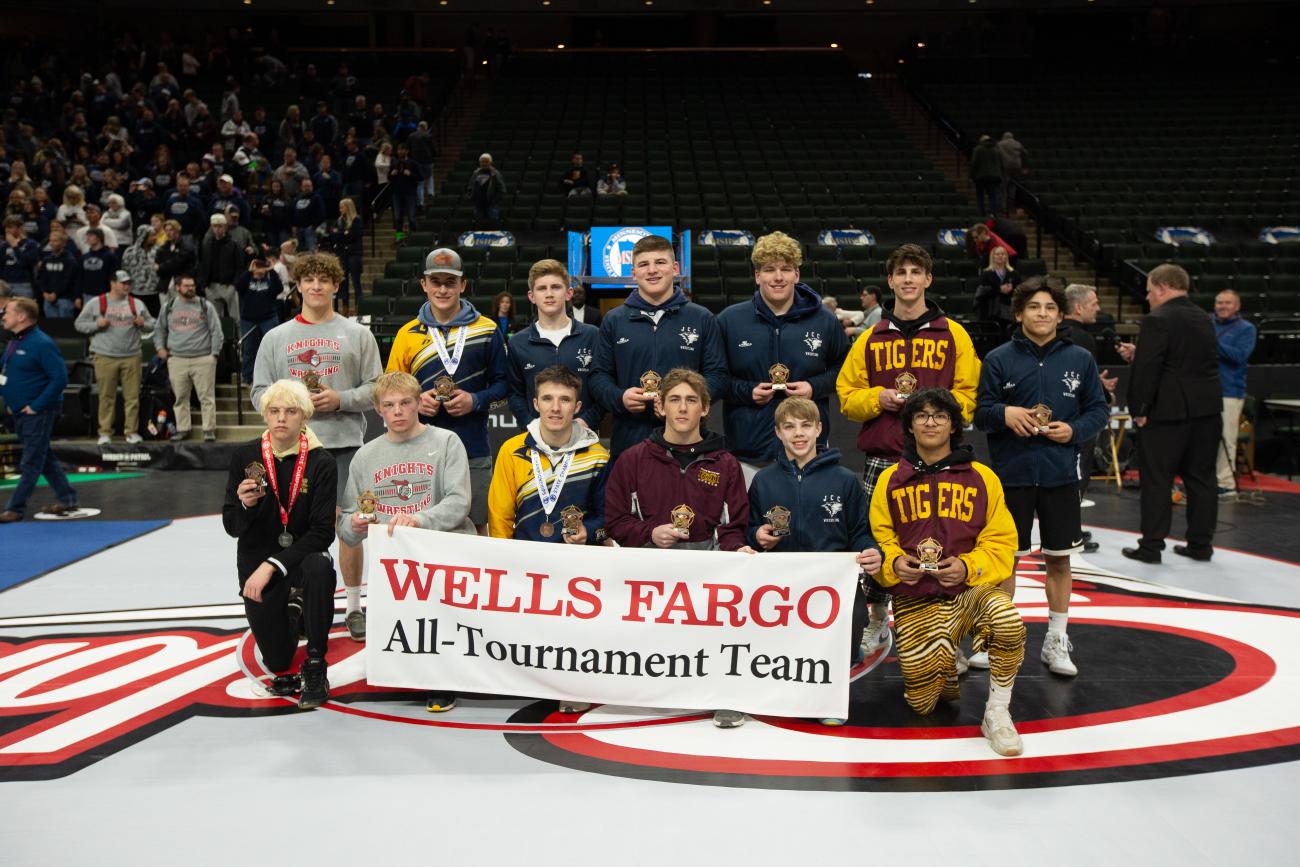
(939, 419)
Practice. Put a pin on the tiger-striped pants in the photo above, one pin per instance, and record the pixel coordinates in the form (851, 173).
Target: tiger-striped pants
(930, 628)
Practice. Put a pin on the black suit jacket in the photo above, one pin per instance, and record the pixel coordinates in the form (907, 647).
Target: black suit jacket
(590, 315)
(1175, 375)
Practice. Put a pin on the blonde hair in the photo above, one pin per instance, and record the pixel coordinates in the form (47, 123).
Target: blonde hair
(547, 268)
(776, 247)
(73, 196)
(398, 381)
(288, 392)
(347, 212)
(799, 408)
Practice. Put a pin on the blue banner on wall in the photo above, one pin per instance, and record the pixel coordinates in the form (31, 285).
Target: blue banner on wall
(1184, 236)
(1280, 235)
(727, 238)
(486, 239)
(611, 249)
(952, 237)
(845, 238)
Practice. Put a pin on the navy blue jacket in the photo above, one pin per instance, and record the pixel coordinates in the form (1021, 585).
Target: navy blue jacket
(631, 344)
(530, 354)
(257, 298)
(308, 211)
(188, 211)
(828, 510)
(1061, 375)
(57, 272)
(18, 264)
(807, 338)
(1236, 340)
(34, 372)
(97, 269)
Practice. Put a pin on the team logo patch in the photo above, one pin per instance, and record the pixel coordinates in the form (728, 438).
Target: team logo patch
(833, 504)
(710, 477)
(584, 357)
(1072, 381)
(813, 340)
(689, 336)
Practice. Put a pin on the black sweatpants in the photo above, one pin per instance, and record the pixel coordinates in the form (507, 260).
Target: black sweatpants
(269, 619)
(1188, 449)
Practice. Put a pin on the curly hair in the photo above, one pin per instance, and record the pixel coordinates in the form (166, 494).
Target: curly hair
(324, 265)
(776, 247)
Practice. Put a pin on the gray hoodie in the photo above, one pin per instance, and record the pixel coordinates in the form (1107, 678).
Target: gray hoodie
(189, 329)
(426, 477)
(121, 337)
(342, 353)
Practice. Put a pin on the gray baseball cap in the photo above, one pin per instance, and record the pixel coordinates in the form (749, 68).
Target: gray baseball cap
(443, 261)
(122, 277)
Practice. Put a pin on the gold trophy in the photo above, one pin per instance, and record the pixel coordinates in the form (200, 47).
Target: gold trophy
(443, 386)
(1042, 414)
(779, 518)
(683, 516)
(650, 383)
(367, 503)
(929, 552)
(905, 384)
(311, 379)
(780, 375)
(257, 473)
(571, 517)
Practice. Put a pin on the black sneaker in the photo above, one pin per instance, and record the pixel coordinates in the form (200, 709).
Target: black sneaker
(294, 610)
(439, 702)
(285, 685)
(315, 685)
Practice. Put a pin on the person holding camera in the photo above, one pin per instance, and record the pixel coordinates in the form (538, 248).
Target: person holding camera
(259, 291)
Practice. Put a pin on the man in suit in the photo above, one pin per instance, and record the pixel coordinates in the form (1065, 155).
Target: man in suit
(587, 314)
(1175, 399)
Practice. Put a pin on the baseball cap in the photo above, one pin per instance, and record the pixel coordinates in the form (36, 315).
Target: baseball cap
(217, 220)
(122, 277)
(226, 178)
(144, 182)
(443, 261)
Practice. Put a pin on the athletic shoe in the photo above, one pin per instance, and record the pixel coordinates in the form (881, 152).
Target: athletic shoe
(1091, 547)
(315, 685)
(961, 663)
(1001, 731)
(1085, 503)
(104, 439)
(1227, 495)
(1056, 654)
(9, 516)
(567, 706)
(875, 634)
(180, 435)
(356, 624)
(1201, 554)
(133, 439)
(979, 660)
(209, 436)
(728, 719)
(951, 690)
(832, 721)
(285, 684)
(294, 610)
(439, 702)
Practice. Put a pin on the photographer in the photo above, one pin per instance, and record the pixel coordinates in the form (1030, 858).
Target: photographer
(259, 290)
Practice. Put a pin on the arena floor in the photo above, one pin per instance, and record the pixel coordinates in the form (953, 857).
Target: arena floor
(130, 733)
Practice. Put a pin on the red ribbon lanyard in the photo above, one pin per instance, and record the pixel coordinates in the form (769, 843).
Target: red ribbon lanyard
(299, 469)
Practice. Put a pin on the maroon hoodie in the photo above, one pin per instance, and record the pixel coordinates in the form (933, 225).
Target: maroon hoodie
(648, 482)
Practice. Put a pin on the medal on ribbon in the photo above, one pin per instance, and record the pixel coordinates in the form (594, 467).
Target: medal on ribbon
(549, 495)
(285, 539)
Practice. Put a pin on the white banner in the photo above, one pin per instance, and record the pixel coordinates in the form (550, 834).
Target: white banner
(762, 633)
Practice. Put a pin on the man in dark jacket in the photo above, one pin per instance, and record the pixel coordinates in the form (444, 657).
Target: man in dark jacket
(1175, 398)
(185, 207)
(308, 213)
(403, 178)
(655, 330)
(1040, 399)
(220, 263)
(174, 256)
(986, 172)
(56, 277)
(781, 343)
(32, 377)
(487, 187)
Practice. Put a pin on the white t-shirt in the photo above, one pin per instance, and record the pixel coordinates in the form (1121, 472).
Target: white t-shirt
(554, 336)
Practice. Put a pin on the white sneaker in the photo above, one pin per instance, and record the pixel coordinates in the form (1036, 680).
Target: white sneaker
(980, 660)
(1085, 503)
(105, 439)
(1056, 654)
(134, 438)
(1001, 731)
(876, 634)
(961, 662)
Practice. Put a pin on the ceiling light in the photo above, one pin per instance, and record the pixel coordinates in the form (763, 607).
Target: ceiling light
(835, 45)
(561, 45)
(920, 45)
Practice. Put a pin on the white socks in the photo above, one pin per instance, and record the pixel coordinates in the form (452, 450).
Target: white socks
(879, 612)
(354, 598)
(998, 695)
(1056, 621)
